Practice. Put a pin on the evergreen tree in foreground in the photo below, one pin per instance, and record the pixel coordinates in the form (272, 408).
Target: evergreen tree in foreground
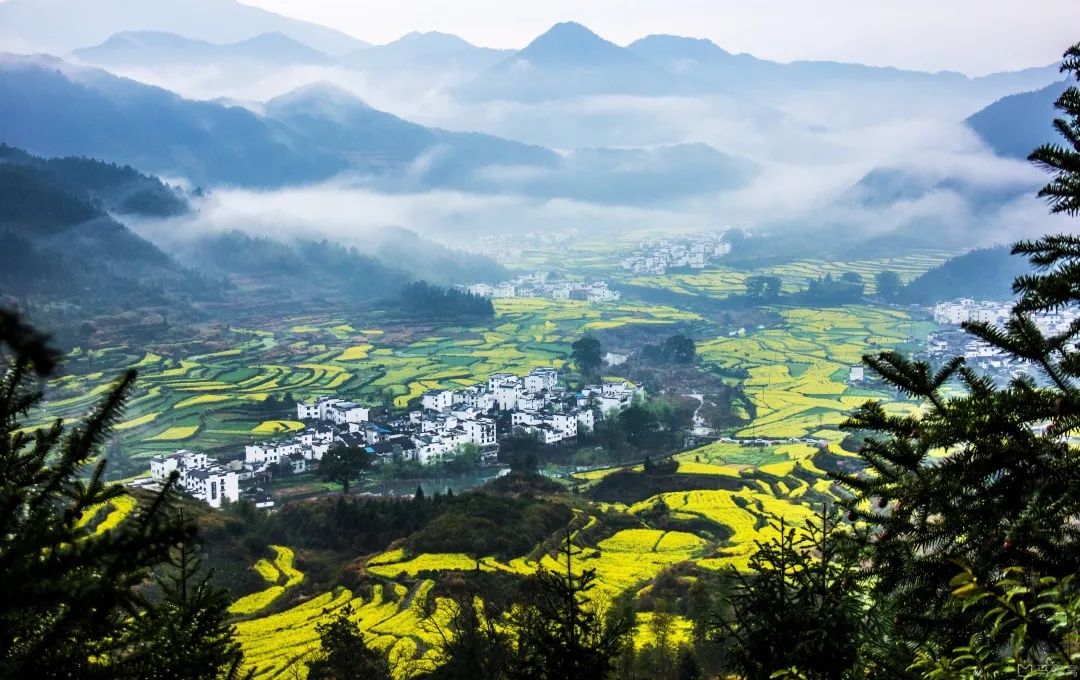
(988, 479)
(344, 654)
(561, 635)
(69, 600)
(188, 629)
(474, 644)
(800, 607)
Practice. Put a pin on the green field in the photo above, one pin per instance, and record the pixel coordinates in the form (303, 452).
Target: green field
(215, 392)
(798, 372)
(203, 395)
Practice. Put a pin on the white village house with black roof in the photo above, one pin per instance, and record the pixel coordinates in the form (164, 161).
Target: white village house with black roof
(534, 404)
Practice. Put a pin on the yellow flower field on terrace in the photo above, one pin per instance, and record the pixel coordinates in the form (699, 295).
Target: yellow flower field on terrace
(277, 426)
(111, 514)
(176, 433)
(280, 575)
(621, 561)
(745, 513)
(281, 643)
(798, 372)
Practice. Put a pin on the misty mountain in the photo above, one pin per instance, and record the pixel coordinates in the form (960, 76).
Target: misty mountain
(424, 60)
(106, 186)
(425, 259)
(53, 109)
(322, 115)
(160, 49)
(883, 187)
(59, 26)
(277, 269)
(711, 67)
(570, 60)
(984, 274)
(627, 176)
(1015, 125)
(60, 247)
(326, 117)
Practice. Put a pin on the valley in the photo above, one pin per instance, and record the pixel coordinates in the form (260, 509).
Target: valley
(790, 377)
(419, 342)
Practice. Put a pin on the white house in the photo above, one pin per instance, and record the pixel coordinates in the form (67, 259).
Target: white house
(213, 485)
(545, 433)
(333, 410)
(496, 379)
(181, 461)
(586, 420)
(481, 432)
(199, 476)
(506, 395)
(438, 400)
(550, 377)
(567, 423)
(533, 383)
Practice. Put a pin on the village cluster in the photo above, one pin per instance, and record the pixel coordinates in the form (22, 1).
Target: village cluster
(952, 340)
(506, 404)
(657, 256)
(542, 285)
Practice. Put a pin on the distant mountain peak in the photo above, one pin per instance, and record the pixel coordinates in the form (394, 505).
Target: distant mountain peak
(569, 43)
(60, 26)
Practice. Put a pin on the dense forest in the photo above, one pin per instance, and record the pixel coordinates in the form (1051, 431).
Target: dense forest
(64, 255)
(421, 298)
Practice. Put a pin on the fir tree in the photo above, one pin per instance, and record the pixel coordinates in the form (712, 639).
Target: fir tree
(987, 479)
(474, 644)
(798, 608)
(560, 634)
(1063, 192)
(69, 605)
(188, 629)
(343, 653)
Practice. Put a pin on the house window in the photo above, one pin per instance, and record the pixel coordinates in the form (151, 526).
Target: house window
(213, 491)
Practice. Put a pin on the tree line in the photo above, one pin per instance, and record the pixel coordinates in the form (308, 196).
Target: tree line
(425, 299)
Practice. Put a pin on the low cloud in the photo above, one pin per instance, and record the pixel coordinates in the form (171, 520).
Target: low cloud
(812, 150)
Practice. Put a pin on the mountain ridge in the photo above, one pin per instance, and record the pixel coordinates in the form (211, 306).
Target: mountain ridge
(162, 47)
(35, 25)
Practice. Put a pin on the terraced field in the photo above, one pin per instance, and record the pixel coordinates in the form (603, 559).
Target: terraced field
(395, 621)
(206, 395)
(798, 373)
(721, 282)
(211, 394)
(280, 575)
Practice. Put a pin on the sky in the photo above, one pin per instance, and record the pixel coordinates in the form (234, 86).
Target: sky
(971, 36)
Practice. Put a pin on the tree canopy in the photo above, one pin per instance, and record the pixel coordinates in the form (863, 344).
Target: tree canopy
(587, 355)
(69, 599)
(343, 464)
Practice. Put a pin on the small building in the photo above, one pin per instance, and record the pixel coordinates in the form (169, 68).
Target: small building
(438, 400)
